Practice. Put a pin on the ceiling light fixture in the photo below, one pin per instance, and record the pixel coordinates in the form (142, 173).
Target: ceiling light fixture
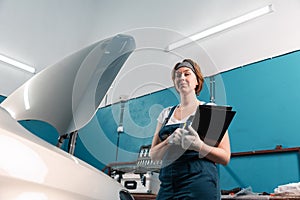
(17, 64)
(221, 27)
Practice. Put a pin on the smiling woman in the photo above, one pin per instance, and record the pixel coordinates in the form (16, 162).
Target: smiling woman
(188, 168)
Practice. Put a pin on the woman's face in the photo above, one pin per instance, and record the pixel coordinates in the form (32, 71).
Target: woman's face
(185, 80)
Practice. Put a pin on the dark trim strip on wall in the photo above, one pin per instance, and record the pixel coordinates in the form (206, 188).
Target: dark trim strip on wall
(278, 149)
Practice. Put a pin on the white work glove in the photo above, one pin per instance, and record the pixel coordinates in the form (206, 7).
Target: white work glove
(175, 137)
(191, 140)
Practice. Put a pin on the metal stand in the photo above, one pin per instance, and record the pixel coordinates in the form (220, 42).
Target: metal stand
(120, 127)
(212, 88)
(61, 140)
(72, 141)
(118, 143)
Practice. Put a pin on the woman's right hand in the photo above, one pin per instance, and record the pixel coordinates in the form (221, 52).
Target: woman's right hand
(175, 137)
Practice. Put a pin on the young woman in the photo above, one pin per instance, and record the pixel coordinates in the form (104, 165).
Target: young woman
(189, 165)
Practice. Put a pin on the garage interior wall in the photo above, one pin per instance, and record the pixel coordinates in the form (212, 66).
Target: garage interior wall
(266, 97)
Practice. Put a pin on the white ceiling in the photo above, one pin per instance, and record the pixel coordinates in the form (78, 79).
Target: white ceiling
(40, 33)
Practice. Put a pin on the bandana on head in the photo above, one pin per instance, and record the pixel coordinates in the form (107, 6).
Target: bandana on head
(185, 64)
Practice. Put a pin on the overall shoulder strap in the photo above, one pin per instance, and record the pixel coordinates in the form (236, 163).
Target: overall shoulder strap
(169, 115)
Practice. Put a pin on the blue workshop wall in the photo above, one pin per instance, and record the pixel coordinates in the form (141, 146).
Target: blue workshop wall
(2, 98)
(266, 97)
(41, 129)
(98, 141)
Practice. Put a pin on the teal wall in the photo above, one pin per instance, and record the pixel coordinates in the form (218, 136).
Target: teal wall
(265, 96)
(98, 140)
(1, 98)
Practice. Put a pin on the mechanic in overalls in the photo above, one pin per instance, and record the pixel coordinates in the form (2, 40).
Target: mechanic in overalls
(189, 170)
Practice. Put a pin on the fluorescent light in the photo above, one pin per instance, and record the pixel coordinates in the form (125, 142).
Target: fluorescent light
(17, 64)
(221, 27)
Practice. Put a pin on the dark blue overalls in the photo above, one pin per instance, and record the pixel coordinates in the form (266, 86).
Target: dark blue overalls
(185, 176)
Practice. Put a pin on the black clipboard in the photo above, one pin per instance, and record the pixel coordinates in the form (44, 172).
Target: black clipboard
(211, 122)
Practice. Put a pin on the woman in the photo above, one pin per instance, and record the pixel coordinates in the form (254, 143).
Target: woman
(189, 165)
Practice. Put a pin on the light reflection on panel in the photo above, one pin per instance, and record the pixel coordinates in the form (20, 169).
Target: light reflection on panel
(20, 161)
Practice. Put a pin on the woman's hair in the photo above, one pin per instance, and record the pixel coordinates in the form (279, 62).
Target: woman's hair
(195, 68)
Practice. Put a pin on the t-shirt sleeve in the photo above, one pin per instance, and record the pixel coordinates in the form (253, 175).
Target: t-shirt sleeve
(163, 115)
